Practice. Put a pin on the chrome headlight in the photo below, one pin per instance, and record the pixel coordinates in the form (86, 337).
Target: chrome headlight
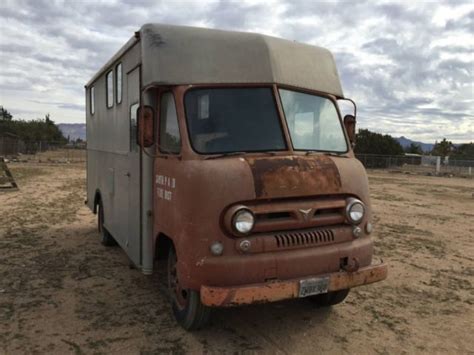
(243, 221)
(355, 211)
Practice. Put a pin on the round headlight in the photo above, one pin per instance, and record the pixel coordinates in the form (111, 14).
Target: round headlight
(355, 211)
(243, 221)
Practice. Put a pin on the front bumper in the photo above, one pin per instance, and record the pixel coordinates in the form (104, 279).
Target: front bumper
(279, 290)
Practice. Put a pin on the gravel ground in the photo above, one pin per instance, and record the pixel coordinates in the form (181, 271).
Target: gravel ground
(62, 292)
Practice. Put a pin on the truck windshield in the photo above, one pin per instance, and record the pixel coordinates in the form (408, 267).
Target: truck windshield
(313, 122)
(224, 120)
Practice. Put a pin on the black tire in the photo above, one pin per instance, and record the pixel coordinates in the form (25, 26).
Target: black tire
(188, 310)
(104, 235)
(330, 298)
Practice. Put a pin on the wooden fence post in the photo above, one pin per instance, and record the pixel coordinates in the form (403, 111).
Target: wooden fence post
(6, 177)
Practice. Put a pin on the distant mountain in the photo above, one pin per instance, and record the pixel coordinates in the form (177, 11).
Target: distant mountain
(405, 142)
(73, 130)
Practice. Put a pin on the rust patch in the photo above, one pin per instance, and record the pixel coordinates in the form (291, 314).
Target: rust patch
(363, 276)
(294, 176)
(280, 290)
(262, 293)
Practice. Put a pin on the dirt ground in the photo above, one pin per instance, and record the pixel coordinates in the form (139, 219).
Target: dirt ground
(62, 292)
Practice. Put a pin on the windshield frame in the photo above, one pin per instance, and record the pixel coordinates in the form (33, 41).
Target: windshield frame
(276, 99)
(318, 94)
(280, 111)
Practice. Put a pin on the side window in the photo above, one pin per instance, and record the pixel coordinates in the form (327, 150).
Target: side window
(118, 82)
(110, 89)
(133, 127)
(92, 100)
(170, 139)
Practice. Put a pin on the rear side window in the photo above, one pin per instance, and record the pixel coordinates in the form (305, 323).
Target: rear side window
(110, 89)
(133, 127)
(92, 100)
(118, 82)
(170, 139)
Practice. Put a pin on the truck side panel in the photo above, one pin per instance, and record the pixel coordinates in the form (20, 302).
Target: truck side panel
(112, 160)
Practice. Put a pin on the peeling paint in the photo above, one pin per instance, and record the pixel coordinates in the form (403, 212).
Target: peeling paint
(287, 176)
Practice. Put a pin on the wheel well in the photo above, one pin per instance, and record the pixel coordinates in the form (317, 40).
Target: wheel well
(162, 246)
(97, 198)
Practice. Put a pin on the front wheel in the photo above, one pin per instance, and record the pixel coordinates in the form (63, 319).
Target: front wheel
(188, 310)
(330, 298)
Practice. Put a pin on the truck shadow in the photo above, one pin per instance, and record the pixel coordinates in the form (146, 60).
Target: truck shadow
(267, 326)
(79, 295)
(120, 308)
(259, 327)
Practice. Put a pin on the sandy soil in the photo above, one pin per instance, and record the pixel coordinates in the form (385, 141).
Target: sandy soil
(62, 292)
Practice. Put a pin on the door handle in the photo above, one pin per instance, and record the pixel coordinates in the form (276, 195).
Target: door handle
(127, 174)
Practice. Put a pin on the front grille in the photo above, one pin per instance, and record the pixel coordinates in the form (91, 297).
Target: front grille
(273, 216)
(282, 241)
(294, 239)
(290, 215)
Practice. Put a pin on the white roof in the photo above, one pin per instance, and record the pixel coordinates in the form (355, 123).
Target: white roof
(173, 55)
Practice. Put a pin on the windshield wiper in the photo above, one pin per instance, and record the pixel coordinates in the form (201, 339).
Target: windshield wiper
(269, 153)
(223, 155)
(333, 154)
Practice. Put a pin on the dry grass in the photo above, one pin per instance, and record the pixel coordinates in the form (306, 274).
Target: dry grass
(62, 292)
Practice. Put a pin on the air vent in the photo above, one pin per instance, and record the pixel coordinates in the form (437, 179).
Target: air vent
(293, 239)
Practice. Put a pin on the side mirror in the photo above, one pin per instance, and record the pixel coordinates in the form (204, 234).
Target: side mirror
(350, 121)
(350, 125)
(146, 127)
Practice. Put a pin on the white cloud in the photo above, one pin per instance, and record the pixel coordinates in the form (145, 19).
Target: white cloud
(409, 66)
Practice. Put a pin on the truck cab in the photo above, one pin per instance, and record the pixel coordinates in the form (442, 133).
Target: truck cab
(245, 176)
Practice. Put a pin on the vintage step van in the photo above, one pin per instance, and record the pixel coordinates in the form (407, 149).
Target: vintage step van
(226, 153)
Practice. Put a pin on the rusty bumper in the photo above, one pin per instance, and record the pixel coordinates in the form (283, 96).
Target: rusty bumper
(280, 290)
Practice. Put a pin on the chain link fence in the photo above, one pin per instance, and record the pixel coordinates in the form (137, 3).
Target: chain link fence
(16, 150)
(421, 164)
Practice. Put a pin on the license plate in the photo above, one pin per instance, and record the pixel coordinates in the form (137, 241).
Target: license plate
(314, 286)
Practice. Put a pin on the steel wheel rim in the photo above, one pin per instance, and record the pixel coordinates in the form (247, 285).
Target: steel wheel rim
(178, 294)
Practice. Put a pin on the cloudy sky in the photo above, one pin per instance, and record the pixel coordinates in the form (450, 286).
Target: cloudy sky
(409, 65)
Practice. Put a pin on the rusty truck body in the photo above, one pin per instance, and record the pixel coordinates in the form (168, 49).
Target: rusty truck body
(226, 153)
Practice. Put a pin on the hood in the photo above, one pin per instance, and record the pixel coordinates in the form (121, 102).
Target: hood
(291, 176)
